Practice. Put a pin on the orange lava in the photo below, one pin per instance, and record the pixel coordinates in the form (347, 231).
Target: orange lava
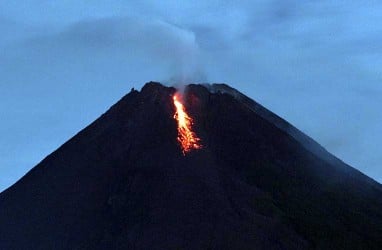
(186, 137)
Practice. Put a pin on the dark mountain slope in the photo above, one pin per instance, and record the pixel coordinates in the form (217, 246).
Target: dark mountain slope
(123, 183)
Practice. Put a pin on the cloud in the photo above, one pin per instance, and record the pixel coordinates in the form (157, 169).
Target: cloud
(171, 48)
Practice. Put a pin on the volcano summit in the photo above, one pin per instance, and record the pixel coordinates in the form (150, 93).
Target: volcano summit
(249, 181)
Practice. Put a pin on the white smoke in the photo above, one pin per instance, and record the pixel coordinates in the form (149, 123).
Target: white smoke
(186, 65)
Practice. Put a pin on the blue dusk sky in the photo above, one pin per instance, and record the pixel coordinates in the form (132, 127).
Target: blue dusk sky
(318, 64)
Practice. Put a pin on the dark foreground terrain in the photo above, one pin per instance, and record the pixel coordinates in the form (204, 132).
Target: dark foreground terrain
(257, 183)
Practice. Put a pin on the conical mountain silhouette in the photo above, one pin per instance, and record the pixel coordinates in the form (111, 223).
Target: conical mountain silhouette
(257, 183)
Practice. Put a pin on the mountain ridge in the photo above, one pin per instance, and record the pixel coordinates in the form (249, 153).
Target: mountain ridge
(124, 183)
(306, 141)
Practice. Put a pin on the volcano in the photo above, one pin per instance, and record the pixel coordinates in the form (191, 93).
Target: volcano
(253, 181)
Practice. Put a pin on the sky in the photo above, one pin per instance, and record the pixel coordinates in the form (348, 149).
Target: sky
(318, 64)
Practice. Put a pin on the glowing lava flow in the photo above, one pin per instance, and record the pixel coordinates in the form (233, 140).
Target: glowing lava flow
(186, 137)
